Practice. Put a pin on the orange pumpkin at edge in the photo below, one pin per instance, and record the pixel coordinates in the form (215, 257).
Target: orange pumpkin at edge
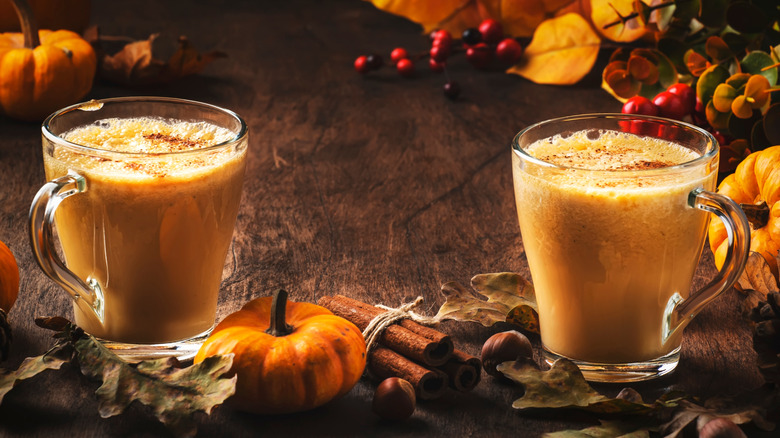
(42, 71)
(755, 185)
(289, 357)
(9, 278)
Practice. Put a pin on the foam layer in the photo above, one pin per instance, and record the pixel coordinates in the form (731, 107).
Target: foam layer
(611, 150)
(145, 136)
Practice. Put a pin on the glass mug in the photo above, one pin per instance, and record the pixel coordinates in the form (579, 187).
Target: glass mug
(612, 253)
(144, 234)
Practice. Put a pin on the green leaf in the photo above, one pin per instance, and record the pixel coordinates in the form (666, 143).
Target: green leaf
(718, 120)
(772, 124)
(756, 61)
(32, 366)
(709, 81)
(510, 299)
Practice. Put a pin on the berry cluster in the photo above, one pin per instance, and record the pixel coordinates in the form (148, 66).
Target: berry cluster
(481, 46)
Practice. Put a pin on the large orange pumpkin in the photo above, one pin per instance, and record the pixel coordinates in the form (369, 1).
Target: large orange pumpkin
(755, 185)
(42, 71)
(288, 358)
(9, 278)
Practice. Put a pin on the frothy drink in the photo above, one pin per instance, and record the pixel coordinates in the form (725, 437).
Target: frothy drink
(152, 232)
(623, 244)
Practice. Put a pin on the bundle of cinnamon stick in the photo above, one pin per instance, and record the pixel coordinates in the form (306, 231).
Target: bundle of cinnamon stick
(421, 355)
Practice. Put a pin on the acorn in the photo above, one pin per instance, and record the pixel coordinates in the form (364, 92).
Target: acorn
(504, 347)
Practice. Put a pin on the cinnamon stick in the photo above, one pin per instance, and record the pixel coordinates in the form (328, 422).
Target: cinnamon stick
(463, 371)
(428, 383)
(429, 346)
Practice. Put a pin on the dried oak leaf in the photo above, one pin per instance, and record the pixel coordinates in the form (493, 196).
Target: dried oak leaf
(174, 394)
(756, 281)
(32, 366)
(136, 64)
(564, 387)
(510, 299)
(563, 50)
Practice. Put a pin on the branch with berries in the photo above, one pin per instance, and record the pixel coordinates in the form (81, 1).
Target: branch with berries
(483, 47)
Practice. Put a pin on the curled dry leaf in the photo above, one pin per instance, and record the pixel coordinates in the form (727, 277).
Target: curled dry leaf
(510, 299)
(137, 62)
(32, 366)
(756, 281)
(562, 51)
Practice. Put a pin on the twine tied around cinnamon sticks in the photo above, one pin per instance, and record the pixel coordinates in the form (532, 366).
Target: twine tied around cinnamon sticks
(377, 326)
(423, 356)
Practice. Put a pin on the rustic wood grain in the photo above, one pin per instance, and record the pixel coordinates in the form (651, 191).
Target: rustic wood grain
(377, 187)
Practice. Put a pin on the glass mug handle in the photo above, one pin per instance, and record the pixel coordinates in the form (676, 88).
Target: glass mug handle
(87, 295)
(680, 312)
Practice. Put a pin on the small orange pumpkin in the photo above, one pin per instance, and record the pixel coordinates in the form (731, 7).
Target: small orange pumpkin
(9, 278)
(41, 72)
(287, 358)
(755, 185)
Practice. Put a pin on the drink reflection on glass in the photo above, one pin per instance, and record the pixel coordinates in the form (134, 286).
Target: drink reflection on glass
(144, 193)
(613, 217)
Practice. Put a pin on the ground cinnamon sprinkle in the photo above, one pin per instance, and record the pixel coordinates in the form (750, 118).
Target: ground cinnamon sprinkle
(174, 142)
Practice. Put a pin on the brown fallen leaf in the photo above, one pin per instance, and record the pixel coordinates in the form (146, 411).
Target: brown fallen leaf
(510, 299)
(137, 63)
(32, 366)
(756, 282)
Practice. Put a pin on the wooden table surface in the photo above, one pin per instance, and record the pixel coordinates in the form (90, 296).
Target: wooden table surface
(376, 187)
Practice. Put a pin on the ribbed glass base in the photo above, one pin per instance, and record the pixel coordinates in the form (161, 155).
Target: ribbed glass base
(182, 350)
(622, 372)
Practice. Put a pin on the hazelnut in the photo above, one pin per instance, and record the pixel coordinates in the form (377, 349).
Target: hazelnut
(504, 347)
(721, 428)
(394, 399)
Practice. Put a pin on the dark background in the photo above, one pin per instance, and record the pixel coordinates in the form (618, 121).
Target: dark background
(375, 187)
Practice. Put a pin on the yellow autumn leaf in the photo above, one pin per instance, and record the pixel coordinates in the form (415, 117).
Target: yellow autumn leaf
(562, 51)
(519, 18)
(605, 12)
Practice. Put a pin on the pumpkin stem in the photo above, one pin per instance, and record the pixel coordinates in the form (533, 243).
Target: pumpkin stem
(279, 326)
(757, 215)
(29, 25)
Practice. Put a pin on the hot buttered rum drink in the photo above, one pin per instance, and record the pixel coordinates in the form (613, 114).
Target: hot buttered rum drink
(152, 231)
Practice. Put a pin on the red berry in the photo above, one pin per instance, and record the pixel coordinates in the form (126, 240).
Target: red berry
(686, 93)
(491, 31)
(640, 105)
(509, 51)
(436, 67)
(479, 55)
(361, 65)
(398, 54)
(699, 108)
(670, 105)
(442, 37)
(440, 53)
(405, 67)
(452, 89)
